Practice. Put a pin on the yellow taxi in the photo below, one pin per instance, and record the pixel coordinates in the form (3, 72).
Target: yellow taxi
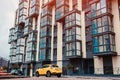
(48, 70)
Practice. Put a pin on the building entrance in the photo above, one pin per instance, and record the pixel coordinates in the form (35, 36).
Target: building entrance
(108, 65)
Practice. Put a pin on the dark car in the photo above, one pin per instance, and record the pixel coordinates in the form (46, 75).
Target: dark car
(16, 72)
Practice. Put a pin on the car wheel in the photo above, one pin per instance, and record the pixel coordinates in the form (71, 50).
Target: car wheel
(37, 74)
(48, 74)
(58, 75)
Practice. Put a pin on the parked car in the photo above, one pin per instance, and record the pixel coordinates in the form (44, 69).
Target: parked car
(48, 70)
(16, 72)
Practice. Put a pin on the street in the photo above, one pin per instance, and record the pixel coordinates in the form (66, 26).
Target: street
(65, 78)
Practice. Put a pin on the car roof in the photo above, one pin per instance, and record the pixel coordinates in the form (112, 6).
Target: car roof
(50, 64)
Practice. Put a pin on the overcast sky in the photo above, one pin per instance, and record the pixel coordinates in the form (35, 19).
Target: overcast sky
(7, 15)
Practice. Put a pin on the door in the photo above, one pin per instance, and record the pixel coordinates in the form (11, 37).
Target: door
(107, 65)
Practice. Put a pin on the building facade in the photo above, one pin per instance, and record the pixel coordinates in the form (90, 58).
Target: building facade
(80, 36)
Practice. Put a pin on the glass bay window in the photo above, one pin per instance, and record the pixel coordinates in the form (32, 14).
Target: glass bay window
(46, 21)
(47, 10)
(62, 7)
(101, 7)
(73, 34)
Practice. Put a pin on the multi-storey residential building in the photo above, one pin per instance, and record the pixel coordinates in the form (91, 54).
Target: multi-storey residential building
(80, 36)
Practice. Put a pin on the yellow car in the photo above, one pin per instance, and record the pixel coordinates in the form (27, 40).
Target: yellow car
(48, 70)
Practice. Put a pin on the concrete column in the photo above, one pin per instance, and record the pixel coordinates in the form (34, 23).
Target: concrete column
(21, 66)
(116, 64)
(59, 45)
(52, 38)
(38, 34)
(70, 5)
(33, 24)
(116, 24)
(98, 65)
(83, 34)
(31, 70)
(79, 5)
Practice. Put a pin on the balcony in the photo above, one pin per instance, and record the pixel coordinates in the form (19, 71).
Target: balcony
(106, 54)
(48, 2)
(12, 30)
(11, 35)
(22, 1)
(12, 52)
(62, 7)
(18, 32)
(34, 8)
(28, 27)
(20, 46)
(30, 57)
(22, 13)
(73, 34)
(12, 59)
(19, 58)
(46, 21)
(13, 45)
(46, 10)
(20, 50)
(21, 42)
(32, 37)
(98, 11)
(21, 20)
(104, 45)
(27, 30)
(23, 5)
(31, 46)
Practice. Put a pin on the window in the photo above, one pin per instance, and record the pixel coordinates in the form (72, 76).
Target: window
(47, 20)
(100, 7)
(104, 43)
(47, 10)
(89, 46)
(42, 42)
(61, 11)
(93, 9)
(101, 25)
(42, 54)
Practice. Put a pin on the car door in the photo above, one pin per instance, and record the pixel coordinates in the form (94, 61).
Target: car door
(42, 70)
(45, 68)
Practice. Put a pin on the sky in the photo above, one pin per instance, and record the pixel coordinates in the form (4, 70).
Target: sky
(7, 16)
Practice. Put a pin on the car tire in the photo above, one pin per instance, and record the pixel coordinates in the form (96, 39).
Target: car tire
(48, 74)
(58, 75)
(37, 74)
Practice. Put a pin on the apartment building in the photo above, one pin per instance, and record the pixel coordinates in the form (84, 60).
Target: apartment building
(80, 36)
